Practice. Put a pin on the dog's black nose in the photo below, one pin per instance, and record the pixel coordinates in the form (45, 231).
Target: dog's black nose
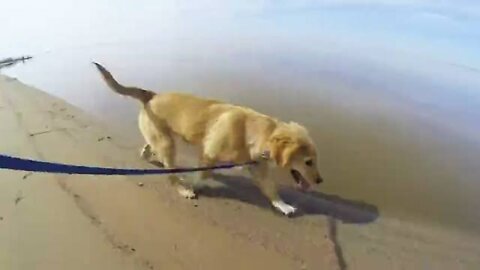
(319, 180)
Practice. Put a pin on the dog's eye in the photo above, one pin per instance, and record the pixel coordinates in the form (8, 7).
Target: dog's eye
(309, 163)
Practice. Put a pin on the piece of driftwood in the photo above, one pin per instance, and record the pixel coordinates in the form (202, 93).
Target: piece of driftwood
(7, 62)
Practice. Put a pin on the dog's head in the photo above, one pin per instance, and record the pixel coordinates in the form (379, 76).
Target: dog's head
(292, 148)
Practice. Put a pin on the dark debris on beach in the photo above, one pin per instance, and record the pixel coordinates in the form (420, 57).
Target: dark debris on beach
(10, 61)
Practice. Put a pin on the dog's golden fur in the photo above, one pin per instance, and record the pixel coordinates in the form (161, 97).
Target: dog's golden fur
(224, 132)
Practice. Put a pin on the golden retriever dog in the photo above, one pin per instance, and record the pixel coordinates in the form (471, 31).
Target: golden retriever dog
(224, 133)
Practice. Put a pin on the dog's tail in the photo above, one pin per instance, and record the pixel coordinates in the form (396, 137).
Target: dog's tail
(143, 95)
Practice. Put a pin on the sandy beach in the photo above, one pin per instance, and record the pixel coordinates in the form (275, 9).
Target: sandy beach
(78, 222)
(70, 222)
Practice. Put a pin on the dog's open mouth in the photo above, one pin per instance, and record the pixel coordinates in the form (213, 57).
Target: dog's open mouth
(300, 182)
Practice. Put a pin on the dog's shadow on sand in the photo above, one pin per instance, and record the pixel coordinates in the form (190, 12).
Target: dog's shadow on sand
(312, 203)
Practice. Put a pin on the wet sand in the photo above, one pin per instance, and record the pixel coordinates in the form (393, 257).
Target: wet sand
(58, 222)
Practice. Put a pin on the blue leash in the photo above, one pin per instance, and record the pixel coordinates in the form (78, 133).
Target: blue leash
(21, 164)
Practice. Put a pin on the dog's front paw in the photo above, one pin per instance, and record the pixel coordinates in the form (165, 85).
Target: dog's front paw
(283, 207)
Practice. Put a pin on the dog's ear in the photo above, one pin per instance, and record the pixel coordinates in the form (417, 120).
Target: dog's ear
(282, 149)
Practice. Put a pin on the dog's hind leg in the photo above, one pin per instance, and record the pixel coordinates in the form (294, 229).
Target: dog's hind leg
(161, 145)
(146, 152)
(149, 155)
(205, 161)
(164, 148)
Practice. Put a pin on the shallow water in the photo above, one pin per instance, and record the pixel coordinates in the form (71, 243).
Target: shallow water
(402, 139)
